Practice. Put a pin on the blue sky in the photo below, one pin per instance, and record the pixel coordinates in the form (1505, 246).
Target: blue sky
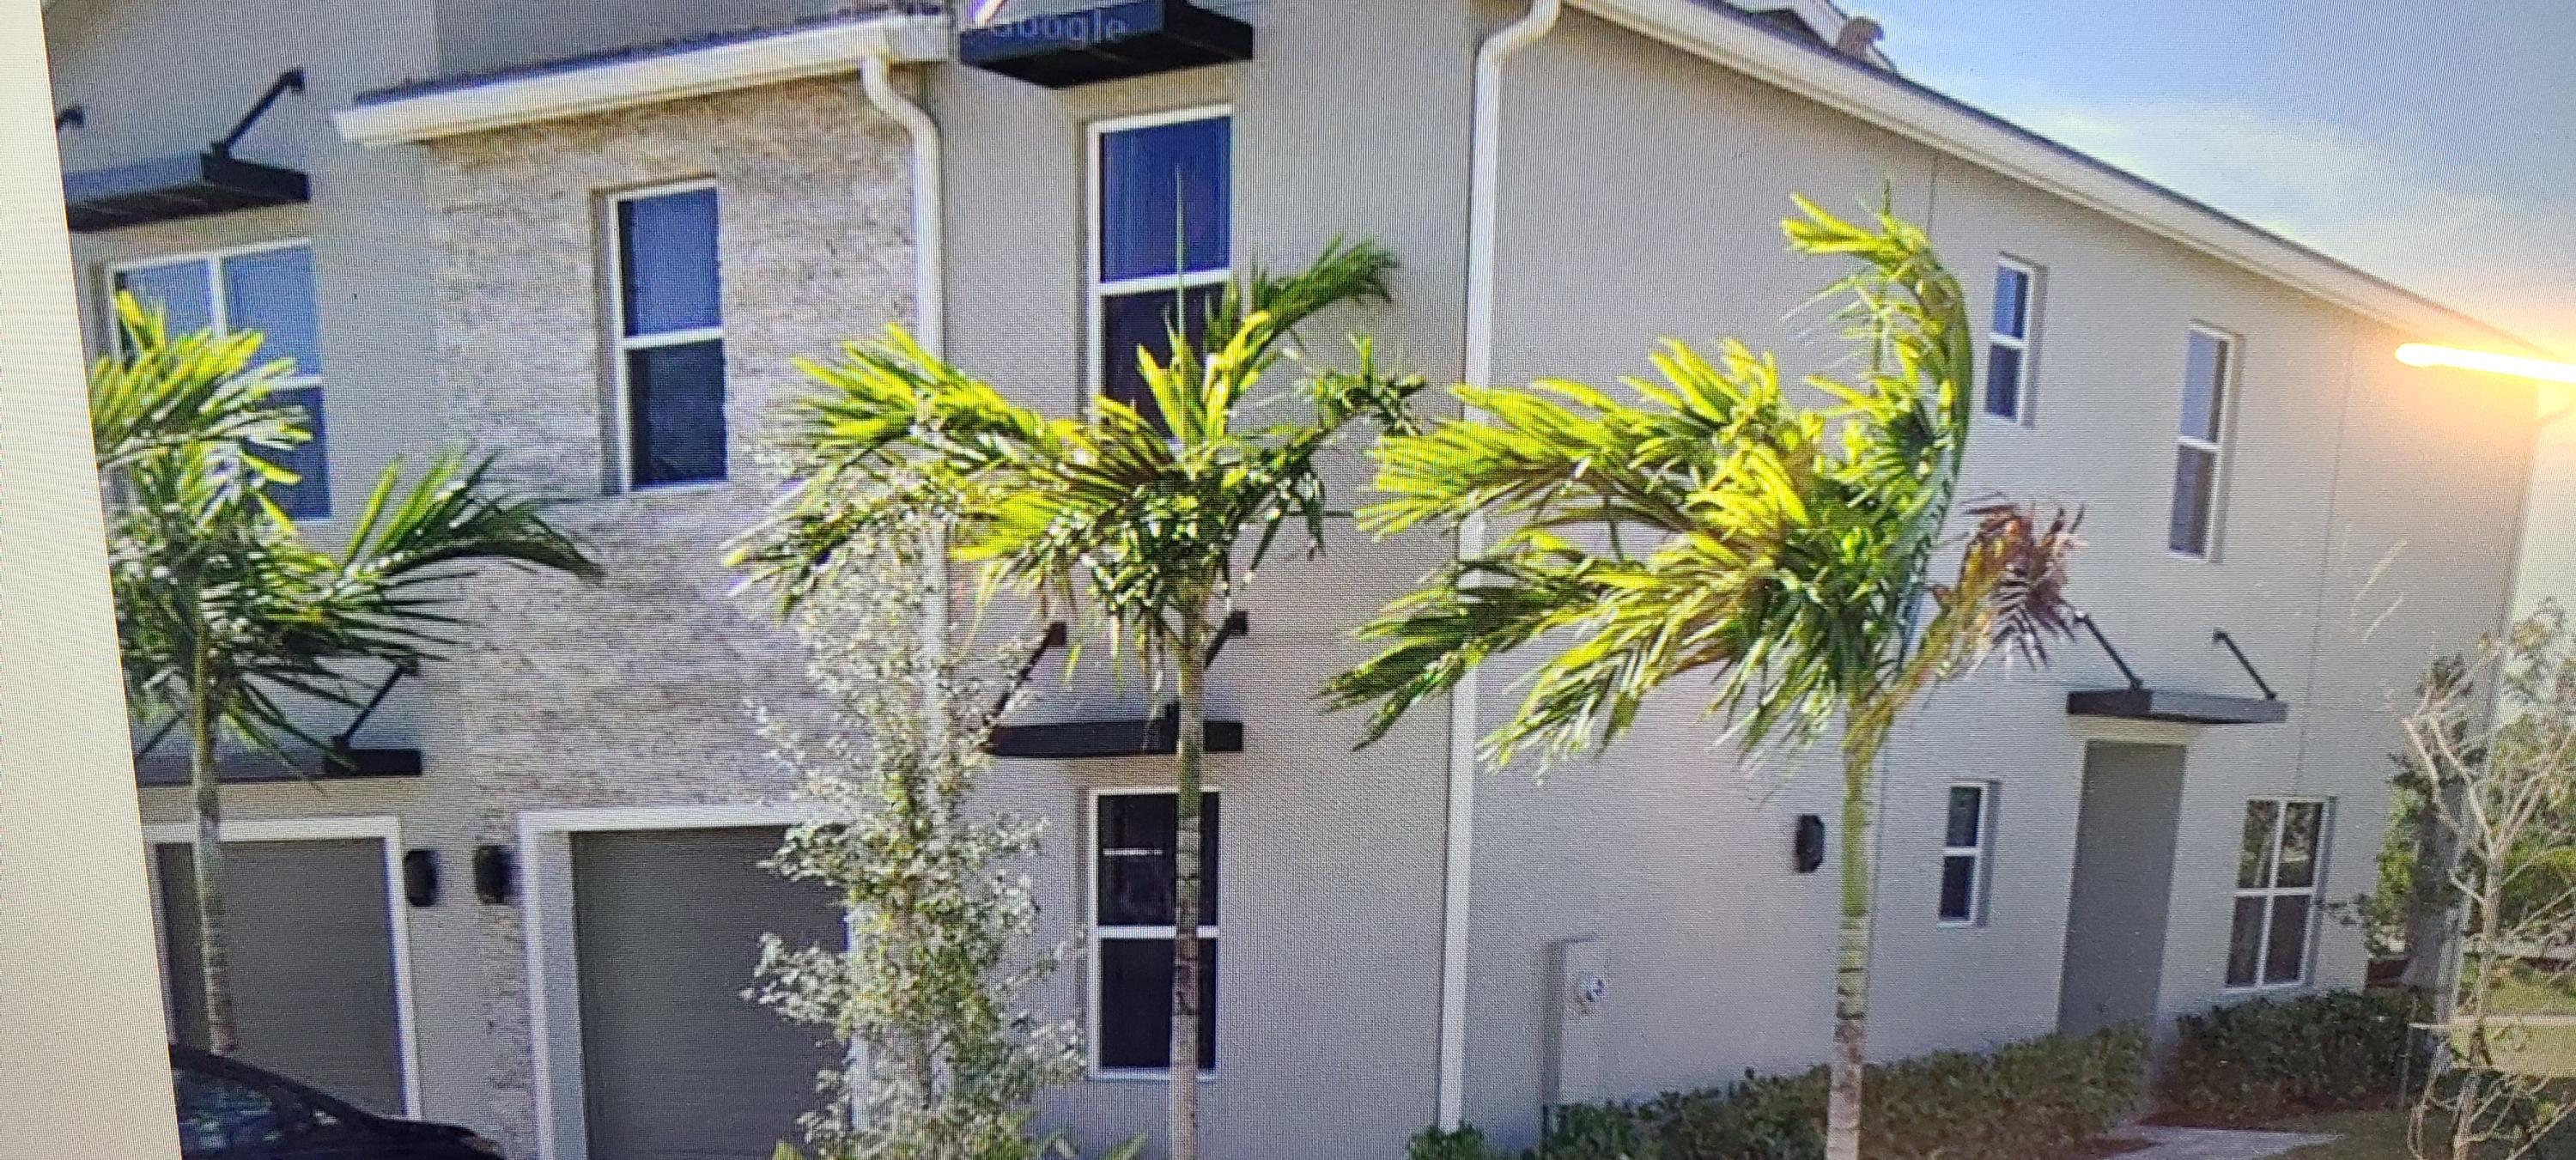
(2430, 142)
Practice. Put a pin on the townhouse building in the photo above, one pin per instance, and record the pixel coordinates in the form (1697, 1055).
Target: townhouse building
(592, 236)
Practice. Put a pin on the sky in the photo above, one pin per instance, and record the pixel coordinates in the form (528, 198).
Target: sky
(2431, 142)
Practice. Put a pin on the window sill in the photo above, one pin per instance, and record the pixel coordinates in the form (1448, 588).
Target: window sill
(1140, 1075)
(2266, 988)
(690, 487)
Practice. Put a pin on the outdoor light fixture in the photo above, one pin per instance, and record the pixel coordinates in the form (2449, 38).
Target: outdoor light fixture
(494, 873)
(420, 877)
(2421, 354)
(1809, 852)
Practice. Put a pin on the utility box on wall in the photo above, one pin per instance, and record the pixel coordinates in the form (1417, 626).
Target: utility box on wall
(1578, 1022)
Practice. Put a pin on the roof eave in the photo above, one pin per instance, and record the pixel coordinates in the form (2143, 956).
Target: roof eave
(507, 101)
(1909, 111)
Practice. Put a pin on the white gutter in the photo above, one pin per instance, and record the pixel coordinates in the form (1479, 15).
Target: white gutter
(1886, 101)
(500, 102)
(929, 237)
(1485, 145)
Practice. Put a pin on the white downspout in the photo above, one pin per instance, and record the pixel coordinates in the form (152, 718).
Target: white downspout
(1484, 171)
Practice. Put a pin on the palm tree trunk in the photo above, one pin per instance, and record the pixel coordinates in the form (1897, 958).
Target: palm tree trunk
(206, 862)
(1191, 666)
(1851, 966)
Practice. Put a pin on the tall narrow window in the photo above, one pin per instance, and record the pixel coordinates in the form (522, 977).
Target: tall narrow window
(2008, 343)
(2199, 451)
(670, 343)
(1163, 241)
(1965, 846)
(2278, 876)
(1134, 836)
(268, 289)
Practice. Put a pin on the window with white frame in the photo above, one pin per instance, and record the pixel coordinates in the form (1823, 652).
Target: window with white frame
(1967, 845)
(2008, 341)
(269, 289)
(2279, 874)
(670, 335)
(2200, 450)
(1133, 838)
(1162, 239)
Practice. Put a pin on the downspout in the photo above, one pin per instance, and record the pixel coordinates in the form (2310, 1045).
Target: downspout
(1484, 171)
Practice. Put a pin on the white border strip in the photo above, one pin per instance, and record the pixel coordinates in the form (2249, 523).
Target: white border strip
(618, 84)
(385, 829)
(545, 909)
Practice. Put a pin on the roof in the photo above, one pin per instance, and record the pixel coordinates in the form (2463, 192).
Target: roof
(1760, 48)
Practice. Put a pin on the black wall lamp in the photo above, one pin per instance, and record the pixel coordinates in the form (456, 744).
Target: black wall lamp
(1808, 851)
(420, 877)
(495, 874)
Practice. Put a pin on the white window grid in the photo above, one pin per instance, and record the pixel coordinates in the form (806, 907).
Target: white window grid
(2313, 891)
(1981, 852)
(1096, 303)
(219, 310)
(2023, 344)
(1095, 933)
(622, 406)
(2222, 408)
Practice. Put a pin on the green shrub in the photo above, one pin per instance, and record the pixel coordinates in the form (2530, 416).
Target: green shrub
(1465, 1143)
(2041, 1097)
(2265, 1059)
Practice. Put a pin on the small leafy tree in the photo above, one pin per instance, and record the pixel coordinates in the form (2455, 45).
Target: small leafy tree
(226, 617)
(924, 992)
(1715, 527)
(2504, 796)
(1154, 529)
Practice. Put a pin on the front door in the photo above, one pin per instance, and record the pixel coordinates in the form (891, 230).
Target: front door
(2116, 910)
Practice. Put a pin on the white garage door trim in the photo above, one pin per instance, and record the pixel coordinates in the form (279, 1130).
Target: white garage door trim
(387, 831)
(554, 977)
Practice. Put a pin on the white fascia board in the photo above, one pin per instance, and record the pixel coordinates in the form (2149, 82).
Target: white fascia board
(1984, 140)
(618, 84)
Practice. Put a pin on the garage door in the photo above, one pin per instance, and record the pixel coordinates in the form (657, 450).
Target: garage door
(310, 940)
(676, 1065)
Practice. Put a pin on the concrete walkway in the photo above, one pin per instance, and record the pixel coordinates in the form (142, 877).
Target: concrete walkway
(2215, 1143)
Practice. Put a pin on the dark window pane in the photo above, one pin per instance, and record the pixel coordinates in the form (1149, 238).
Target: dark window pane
(2287, 959)
(1967, 815)
(2204, 390)
(2003, 381)
(1136, 1003)
(2012, 302)
(2195, 481)
(676, 398)
(1136, 865)
(2254, 847)
(2300, 829)
(309, 497)
(667, 247)
(1958, 888)
(219, 1113)
(272, 293)
(2245, 942)
(1164, 194)
(1144, 320)
(179, 289)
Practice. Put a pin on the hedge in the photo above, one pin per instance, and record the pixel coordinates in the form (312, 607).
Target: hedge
(2265, 1059)
(2041, 1097)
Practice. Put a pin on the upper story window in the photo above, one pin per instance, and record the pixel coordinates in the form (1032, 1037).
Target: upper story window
(269, 289)
(2201, 450)
(1966, 847)
(670, 335)
(1162, 238)
(2008, 342)
(1134, 836)
(2279, 872)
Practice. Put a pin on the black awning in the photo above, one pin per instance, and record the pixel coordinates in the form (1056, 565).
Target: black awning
(2145, 704)
(1110, 42)
(1084, 739)
(171, 188)
(256, 768)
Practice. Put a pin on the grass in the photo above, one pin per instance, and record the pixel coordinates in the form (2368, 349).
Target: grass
(2377, 1135)
(2529, 992)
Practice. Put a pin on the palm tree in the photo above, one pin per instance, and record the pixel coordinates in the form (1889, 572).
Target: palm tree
(1714, 527)
(1139, 523)
(225, 616)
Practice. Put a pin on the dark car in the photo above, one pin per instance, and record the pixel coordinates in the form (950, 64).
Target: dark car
(229, 1110)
